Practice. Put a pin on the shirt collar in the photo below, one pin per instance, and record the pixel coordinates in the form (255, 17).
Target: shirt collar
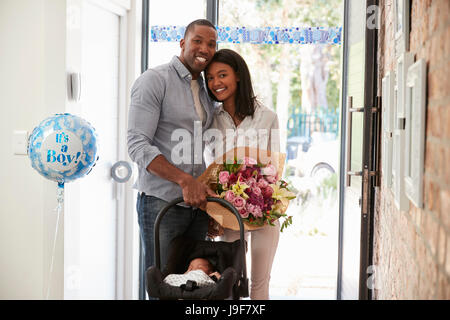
(184, 73)
(219, 107)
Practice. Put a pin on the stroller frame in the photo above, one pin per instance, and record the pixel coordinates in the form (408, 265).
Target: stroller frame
(243, 281)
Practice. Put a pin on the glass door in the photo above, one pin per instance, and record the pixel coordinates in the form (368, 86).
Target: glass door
(357, 175)
(323, 94)
(164, 16)
(293, 51)
(173, 13)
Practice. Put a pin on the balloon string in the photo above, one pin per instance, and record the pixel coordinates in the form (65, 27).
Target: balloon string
(60, 199)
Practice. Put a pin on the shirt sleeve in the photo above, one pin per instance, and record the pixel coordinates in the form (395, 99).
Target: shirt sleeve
(147, 96)
(274, 135)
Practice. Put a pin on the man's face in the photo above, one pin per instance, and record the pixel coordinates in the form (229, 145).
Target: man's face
(198, 48)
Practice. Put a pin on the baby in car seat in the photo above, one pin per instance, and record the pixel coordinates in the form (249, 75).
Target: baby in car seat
(200, 271)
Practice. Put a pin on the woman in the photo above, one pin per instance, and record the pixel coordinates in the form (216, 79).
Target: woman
(228, 81)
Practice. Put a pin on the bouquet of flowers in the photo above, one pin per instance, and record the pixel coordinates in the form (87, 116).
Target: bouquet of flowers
(253, 187)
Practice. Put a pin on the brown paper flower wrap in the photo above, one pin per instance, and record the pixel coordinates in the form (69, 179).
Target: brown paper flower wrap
(223, 216)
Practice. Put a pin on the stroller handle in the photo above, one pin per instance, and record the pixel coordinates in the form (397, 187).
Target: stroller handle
(224, 203)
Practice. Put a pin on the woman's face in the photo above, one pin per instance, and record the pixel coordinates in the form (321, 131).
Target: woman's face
(222, 81)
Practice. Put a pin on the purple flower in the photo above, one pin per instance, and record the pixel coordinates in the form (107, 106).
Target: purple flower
(267, 192)
(233, 178)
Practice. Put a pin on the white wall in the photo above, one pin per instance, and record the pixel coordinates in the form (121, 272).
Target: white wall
(32, 87)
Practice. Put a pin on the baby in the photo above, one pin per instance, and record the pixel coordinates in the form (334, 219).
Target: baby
(200, 270)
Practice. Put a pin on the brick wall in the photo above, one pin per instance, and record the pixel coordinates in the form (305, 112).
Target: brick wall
(412, 249)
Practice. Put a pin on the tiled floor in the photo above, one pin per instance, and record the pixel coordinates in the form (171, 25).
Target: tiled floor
(305, 265)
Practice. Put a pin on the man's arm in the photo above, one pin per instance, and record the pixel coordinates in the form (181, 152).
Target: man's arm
(147, 94)
(145, 107)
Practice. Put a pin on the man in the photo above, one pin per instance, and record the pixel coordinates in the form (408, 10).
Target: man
(164, 99)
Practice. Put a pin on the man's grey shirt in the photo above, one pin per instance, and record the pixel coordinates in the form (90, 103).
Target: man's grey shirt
(162, 102)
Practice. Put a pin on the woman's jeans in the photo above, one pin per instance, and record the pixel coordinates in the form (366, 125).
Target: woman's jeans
(177, 221)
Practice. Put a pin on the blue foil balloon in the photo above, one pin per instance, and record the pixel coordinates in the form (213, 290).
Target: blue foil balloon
(63, 148)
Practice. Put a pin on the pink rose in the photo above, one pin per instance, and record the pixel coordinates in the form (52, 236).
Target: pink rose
(272, 179)
(243, 212)
(229, 196)
(238, 202)
(262, 183)
(251, 182)
(256, 191)
(254, 210)
(249, 161)
(224, 177)
(269, 170)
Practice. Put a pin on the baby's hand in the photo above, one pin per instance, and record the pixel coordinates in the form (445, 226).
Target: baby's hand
(215, 274)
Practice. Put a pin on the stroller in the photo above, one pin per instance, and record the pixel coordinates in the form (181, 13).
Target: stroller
(227, 257)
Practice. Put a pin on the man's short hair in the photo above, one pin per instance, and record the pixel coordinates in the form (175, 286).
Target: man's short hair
(199, 22)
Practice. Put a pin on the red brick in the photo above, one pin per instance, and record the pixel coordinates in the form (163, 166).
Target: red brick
(446, 122)
(445, 212)
(433, 21)
(437, 50)
(444, 160)
(423, 232)
(447, 262)
(432, 234)
(434, 82)
(442, 241)
(431, 195)
(429, 156)
(434, 122)
(443, 11)
(447, 43)
(443, 287)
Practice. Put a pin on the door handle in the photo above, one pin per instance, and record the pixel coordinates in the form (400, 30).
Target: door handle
(350, 111)
(74, 86)
(118, 169)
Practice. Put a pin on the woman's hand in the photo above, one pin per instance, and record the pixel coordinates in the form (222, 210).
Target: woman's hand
(214, 229)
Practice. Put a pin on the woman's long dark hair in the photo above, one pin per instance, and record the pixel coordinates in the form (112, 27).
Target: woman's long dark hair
(245, 98)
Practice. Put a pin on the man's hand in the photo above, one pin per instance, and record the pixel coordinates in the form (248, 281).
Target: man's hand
(195, 192)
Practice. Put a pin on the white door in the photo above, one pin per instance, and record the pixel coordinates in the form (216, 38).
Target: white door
(91, 209)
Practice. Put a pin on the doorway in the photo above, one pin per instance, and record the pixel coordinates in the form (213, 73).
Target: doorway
(95, 236)
(300, 81)
(302, 69)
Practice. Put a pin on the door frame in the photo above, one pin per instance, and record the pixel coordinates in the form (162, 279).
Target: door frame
(212, 14)
(370, 155)
(370, 163)
(126, 261)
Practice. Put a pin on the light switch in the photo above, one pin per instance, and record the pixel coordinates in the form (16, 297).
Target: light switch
(20, 142)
